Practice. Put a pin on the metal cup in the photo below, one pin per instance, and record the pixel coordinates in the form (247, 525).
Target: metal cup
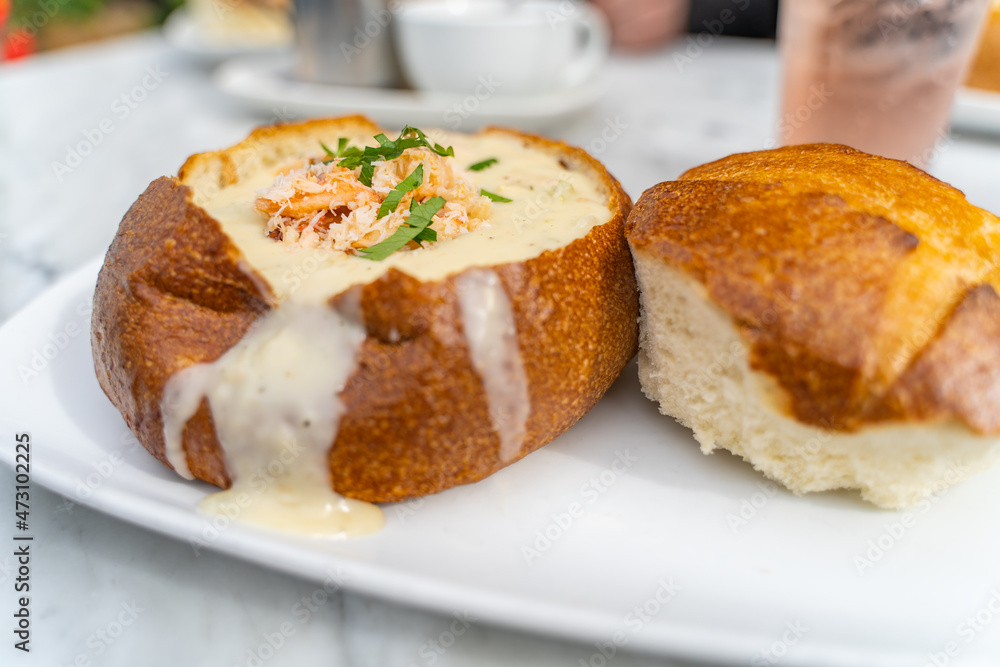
(346, 42)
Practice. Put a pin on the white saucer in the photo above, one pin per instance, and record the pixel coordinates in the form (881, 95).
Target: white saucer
(976, 110)
(267, 84)
(183, 33)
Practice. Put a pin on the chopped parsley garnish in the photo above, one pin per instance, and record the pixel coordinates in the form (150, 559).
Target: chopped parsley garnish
(411, 182)
(479, 166)
(342, 150)
(495, 197)
(388, 149)
(415, 228)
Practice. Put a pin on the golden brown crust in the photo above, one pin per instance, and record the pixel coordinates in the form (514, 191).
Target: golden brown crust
(417, 419)
(170, 294)
(271, 144)
(838, 267)
(956, 373)
(576, 321)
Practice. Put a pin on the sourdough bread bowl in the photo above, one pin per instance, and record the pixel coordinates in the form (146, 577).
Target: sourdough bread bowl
(234, 349)
(828, 315)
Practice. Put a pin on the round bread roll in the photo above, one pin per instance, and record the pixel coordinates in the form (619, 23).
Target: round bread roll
(828, 315)
(237, 356)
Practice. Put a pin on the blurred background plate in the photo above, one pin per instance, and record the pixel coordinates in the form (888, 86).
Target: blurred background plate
(184, 34)
(266, 83)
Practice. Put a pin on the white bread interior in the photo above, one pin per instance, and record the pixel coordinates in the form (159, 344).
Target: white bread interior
(694, 362)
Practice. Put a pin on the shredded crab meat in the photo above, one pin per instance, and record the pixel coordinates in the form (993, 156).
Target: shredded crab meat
(323, 205)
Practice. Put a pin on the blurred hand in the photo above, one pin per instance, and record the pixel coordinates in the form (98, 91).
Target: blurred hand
(644, 24)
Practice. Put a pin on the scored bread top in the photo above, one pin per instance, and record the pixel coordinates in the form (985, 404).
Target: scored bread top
(865, 287)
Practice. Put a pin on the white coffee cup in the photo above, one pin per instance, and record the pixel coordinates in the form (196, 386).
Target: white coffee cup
(507, 47)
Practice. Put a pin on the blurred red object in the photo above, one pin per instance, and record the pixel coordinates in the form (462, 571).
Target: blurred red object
(18, 44)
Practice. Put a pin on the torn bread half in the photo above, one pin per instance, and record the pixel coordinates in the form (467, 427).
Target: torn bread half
(828, 315)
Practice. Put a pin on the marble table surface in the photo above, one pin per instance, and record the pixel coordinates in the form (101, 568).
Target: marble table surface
(90, 569)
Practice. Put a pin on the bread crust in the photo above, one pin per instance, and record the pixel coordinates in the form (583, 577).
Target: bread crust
(174, 291)
(864, 288)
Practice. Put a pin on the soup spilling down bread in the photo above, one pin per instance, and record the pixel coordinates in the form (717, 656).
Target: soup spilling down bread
(328, 315)
(828, 315)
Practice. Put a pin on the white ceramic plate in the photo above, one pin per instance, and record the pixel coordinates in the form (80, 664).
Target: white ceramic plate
(182, 32)
(267, 84)
(760, 575)
(976, 110)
